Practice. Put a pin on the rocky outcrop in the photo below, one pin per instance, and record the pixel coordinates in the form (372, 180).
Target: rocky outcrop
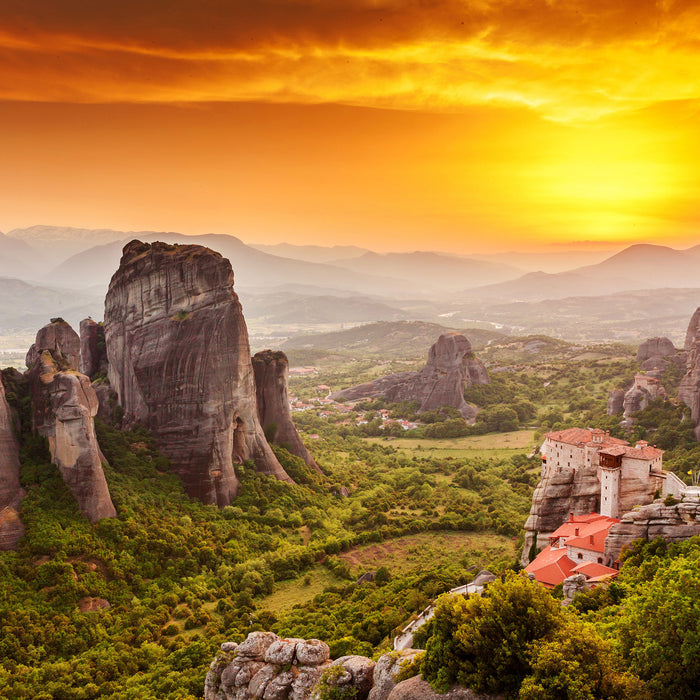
(387, 671)
(572, 586)
(271, 385)
(93, 352)
(64, 406)
(557, 496)
(689, 389)
(691, 335)
(674, 523)
(646, 388)
(616, 400)
(265, 666)
(417, 689)
(179, 360)
(61, 341)
(451, 368)
(655, 347)
(11, 491)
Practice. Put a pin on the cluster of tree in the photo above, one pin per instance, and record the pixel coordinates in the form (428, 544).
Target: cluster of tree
(636, 638)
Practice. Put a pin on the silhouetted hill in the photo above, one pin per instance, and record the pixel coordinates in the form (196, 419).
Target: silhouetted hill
(638, 267)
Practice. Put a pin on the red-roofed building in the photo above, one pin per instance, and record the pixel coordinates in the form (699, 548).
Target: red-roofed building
(628, 475)
(576, 547)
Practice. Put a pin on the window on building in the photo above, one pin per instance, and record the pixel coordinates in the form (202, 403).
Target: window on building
(579, 555)
(600, 560)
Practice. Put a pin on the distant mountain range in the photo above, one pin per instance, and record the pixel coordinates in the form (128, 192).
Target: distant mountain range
(290, 290)
(640, 266)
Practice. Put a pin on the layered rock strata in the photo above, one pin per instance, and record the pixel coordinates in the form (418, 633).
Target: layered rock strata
(557, 495)
(450, 370)
(93, 353)
(64, 406)
(689, 389)
(179, 360)
(11, 491)
(674, 523)
(271, 386)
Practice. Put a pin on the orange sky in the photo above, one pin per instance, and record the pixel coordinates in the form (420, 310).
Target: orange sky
(391, 124)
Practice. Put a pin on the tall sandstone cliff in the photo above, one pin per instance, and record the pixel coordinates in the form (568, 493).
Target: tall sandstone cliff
(689, 389)
(451, 368)
(271, 385)
(11, 492)
(63, 409)
(557, 495)
(179, 360)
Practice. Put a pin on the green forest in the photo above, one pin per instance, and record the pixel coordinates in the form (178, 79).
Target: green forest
(425, 509)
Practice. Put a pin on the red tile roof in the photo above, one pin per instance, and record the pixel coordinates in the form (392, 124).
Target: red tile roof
(591, 535)
(551, 566)
(594, 571)
(583, 436)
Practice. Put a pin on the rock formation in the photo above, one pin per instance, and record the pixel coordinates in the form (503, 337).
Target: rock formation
(179, 360)
(64, 406)
(691, 335)
(11, 491)
(387, 670)
(674, 523)
(655, 347)
(646, 388)
(417, 689)
(557, 495)
(265, 666)
(616, 399)
(93, 353)
(689, 389)
(271, 386)
(451, 368)
(61, 341)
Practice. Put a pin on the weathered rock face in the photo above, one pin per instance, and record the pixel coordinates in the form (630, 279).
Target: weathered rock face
(11, 491)
(556, 496)
(61, 341)
(93, 353)
(644, 390)
(265, 666)
(673, 523)
(655, 347)
(451, 368)
(417, 689)
(64, 406)
(692, 333)
(179, 360)
(271, 385)
(689, 389)
(387, 670)
(616, 400)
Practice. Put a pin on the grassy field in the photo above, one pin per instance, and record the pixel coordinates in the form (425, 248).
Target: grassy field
(498, 445)
(427, 549)
(290, 593)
